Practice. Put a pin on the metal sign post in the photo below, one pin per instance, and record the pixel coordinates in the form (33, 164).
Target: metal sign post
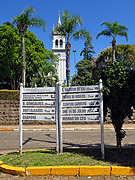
(101, 119)
(20, 119)
(59, 148)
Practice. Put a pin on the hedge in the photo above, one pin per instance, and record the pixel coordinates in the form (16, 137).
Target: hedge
(9, 94)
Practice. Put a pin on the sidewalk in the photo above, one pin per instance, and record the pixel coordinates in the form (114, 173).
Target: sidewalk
(67, 127)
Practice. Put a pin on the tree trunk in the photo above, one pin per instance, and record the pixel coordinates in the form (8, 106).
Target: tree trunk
(118, 139)
(113, 48)
(68, 46)
(23, 59)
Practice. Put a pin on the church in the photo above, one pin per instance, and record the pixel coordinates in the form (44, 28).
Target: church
(59, 49)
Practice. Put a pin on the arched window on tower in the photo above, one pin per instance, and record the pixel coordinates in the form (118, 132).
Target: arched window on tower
(61, 43)
(56, 43)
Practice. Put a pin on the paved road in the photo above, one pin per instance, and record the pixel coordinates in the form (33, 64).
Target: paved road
(9, 140)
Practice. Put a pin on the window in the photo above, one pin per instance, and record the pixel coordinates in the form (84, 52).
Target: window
(61, 43)
(56, 43)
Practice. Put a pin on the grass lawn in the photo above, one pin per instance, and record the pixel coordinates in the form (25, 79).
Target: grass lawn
(71, 157)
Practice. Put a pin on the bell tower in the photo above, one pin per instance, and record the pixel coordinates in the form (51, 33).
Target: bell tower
(59, 49)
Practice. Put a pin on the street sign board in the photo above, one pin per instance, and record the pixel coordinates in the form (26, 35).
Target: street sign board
(93, 88)
(38, 103)
(39, 90)
(39, 117)
(80, 103)
(80, 118)
(38, 96)
(81, 111)
(80, 96)
(38, 110)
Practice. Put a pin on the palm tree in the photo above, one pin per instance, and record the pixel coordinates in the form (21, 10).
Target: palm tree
(24, 21)
(114, 30)
(68, 29)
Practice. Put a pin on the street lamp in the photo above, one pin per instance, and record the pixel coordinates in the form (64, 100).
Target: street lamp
(75, 64)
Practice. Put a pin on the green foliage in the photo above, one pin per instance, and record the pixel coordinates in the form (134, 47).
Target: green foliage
(26, 19)
(117, 95)
(84, 74)
(10, 56)
(114, 29)
(10, 60)
(118, 82)
(23, 21)
(123, 52)
(46, 75)
(88, 51)
(9, 95)
(75, 156)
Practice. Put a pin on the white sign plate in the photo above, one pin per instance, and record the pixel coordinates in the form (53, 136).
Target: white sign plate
(80, 118)
(38, 110)
(81, 96)
(80, 103)
(39, 117)
(81, 89)
(81, 111)
(38, 103)
(38, 96)
(39, 90)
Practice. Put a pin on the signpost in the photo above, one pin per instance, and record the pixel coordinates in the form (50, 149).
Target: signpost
(36, 104)
(62, 104)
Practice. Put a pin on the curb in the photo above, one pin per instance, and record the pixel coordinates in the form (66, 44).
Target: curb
(68, 170)
(6, 129)
(64, 129)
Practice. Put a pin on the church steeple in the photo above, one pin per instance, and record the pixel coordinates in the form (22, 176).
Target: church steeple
(59, 21)
(59, 49)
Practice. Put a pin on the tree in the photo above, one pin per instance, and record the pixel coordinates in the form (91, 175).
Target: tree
(118, 83)
(118, 95)
(88, 51)
(10, 56)
(24, 21)
(84, 74)
(84, 67)
(123, 52)
(114, 30)
(46, 74)
(69, 29)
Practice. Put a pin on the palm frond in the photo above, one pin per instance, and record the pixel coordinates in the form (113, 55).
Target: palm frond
(82, 33)
(26, 19)
(28, 10)
(123, 28)
(105, 33)
(123, 34)
(108, 24)
(36, 21)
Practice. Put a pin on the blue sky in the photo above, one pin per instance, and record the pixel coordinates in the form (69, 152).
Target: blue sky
(93, 13)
